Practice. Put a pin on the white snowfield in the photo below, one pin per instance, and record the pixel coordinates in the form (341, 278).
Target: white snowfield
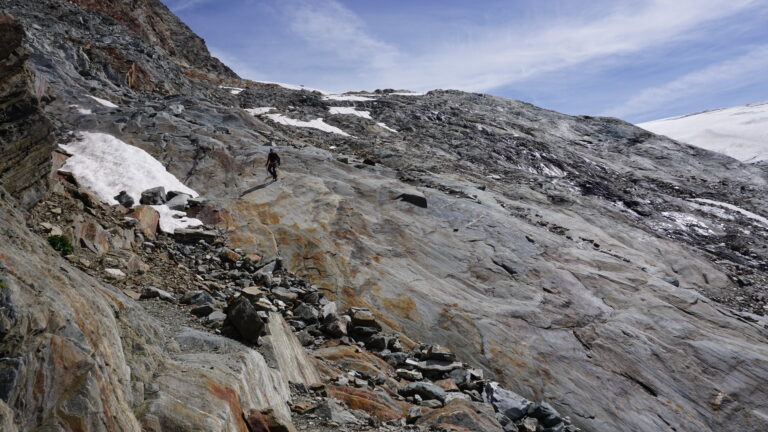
(318, 124)
(350, 111)
(739, 132)
(259, 110)
(757, 218)
(103, 102)
(106, 165)
(348, 98)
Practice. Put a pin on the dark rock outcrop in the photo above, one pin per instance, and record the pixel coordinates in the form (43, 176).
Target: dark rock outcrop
(26, 137)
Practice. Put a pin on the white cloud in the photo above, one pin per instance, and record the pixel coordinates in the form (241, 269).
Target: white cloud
(331, 27)
(749, 68)
(503, 56)
(493, 57)
(181, 5)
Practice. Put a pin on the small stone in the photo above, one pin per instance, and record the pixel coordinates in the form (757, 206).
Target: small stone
(114, 273)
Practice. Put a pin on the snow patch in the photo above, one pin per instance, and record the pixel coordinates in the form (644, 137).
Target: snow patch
(318, 124)
(259, 110)
(348, 98)
(407, 94)
(106, 165)
(350, 111)
(688, 222)
(81, 110)
(233, 90)
(762, 220)
(172, 219)
(383, 126)
(104, 102)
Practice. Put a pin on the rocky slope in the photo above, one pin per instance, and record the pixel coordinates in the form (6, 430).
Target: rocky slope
(617, 274)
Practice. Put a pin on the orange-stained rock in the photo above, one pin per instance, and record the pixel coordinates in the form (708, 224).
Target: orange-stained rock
(92, 237)
(447, 384)
(266, 421)
(148, 219)
(378, 404)
(462, 415)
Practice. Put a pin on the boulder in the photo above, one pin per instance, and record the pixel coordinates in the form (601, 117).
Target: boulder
(201, 311)
(266, 421)
(338, 326)
(153, 196)
(437, 352)
(417, 200)
(285, 295)
(92, 236)
(424, 389)
(547, 416)
(245, 319)
(462, 415)
(306, 313)
(114, 273)
(198, 298)
(178, 203)
(364, 318)
(154, 292)
(410, 375)
(124, 199)
(147, 220)
(506, 402)
(333, 411)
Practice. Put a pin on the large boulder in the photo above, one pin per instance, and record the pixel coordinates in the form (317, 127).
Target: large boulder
(154, 196)
(242, 315)
(425, 390)
(148, 220)
(511, 404)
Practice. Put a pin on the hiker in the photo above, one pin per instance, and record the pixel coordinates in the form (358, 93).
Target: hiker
(273, 161)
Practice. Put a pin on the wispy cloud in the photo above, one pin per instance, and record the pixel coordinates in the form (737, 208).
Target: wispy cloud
(331, 27)
(503, 56)
(182, 5)
(739, 72)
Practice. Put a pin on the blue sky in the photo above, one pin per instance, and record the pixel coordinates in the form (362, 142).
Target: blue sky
(635, 59)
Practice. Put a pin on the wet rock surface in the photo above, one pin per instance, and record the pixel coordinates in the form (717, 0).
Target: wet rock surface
(578, 261)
